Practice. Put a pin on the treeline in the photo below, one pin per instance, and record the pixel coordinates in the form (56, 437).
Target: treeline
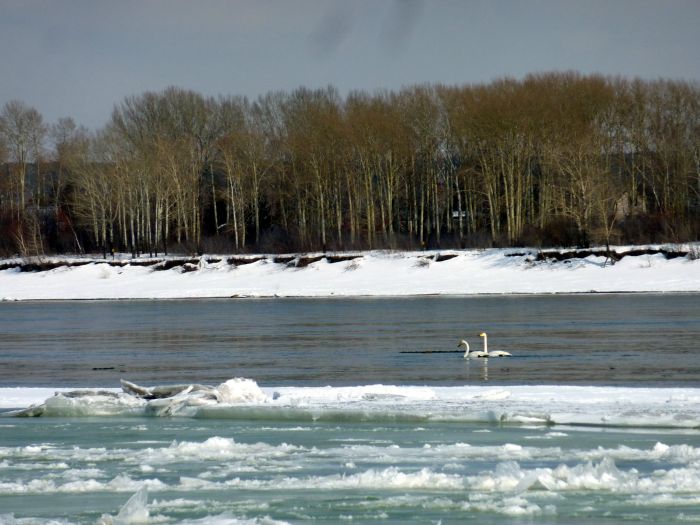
(553, 159)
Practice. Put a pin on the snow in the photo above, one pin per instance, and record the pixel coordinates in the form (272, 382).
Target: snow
(469, 272)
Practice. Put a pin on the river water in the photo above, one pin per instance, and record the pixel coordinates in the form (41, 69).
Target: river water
(357, 411)
(582, 339)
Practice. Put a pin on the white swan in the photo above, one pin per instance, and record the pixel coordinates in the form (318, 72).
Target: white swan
(497, 353)
(469, 353)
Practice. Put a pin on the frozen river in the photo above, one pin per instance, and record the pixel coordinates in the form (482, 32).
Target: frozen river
(355, 411)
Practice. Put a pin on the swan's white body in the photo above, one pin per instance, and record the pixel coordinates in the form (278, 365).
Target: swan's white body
(497, 353)
(468, 353)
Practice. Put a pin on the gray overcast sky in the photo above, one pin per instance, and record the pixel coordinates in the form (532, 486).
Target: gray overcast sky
(78, 57)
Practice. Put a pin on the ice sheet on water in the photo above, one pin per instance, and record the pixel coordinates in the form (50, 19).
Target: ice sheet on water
(134, 511)
(572, 473)
(228, 519)
(524, 405)
(120, 483)
(513, 506)
(9, 519)
(218, 448)
(601, 476)
(159, 401)
(240, 390)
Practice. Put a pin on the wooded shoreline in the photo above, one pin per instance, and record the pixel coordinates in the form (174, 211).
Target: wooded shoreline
(552, 159)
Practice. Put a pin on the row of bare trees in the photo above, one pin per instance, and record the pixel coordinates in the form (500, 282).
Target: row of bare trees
(557, 158)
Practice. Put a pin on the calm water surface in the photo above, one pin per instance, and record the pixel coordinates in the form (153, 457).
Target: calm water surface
(650, 340)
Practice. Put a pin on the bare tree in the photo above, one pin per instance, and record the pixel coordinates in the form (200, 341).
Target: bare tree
(23, 131)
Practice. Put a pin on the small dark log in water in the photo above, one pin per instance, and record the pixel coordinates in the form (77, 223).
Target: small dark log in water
(431, 352)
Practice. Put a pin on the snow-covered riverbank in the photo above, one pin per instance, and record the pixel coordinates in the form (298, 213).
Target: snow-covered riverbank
(458, 272)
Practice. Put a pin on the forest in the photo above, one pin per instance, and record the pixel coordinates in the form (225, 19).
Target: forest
(553, 159)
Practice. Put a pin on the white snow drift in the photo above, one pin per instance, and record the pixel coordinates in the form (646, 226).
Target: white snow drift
(467, 272)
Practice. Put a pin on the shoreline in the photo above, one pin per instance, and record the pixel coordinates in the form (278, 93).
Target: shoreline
(355, 296)
(375, 274)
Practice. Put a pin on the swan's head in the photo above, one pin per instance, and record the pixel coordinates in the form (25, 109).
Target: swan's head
(464, 344)
(482, 334)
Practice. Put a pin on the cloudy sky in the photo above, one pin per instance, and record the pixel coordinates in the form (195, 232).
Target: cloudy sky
(78, 57)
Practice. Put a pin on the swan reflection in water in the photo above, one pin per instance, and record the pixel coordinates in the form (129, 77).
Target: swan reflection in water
(481, 371)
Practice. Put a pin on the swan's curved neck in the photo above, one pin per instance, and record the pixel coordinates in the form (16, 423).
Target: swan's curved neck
(466, 352)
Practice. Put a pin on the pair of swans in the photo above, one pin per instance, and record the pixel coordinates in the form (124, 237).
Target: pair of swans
(485, 353)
